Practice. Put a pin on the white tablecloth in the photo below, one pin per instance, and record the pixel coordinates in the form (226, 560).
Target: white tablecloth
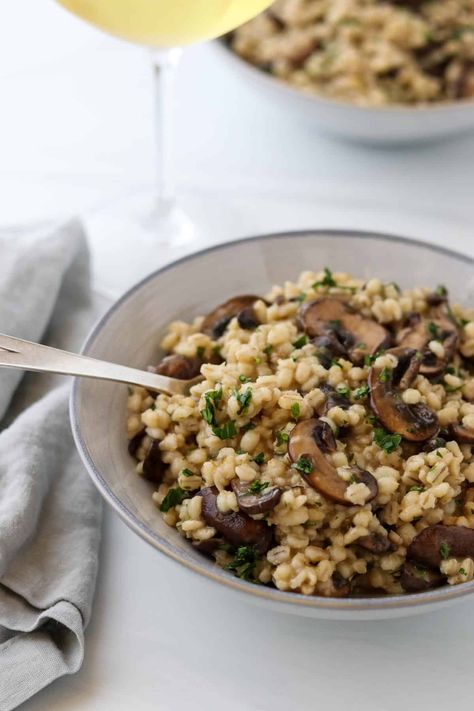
(75, 132)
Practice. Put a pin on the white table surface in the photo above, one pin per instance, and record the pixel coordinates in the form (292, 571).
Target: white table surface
(75, 132)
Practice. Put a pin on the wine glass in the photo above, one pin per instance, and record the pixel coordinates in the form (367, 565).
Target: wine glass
(163, 26)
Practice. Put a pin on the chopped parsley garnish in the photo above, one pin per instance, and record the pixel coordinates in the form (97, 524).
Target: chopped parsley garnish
(432, 329)
(441, 290)
(464, 321)
(416, 487)
(244, 400)
(173, 498)
(227, 430)
(353, 479)
(444, 550)
(186, 472)
(369, 359)
(248, 426)
(343, 389)
(301, 297)
(371, 419)
(258, 361)
(268, 350)
(327, 280)
(259, 458)
(303, 465)
(295, 410)
(200, 351)
(385, 375)
(301, 341)
(257, 486)
(361, 392)
(385, 440)
(153, 407)
(461, 571)
(336, 362)
(244, 379)
(395, 286)
(216, 350)
(282, 438)
(361, 344)
(212, 399)
(243, 562)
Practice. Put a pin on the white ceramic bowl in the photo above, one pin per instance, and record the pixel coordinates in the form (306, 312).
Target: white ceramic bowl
(386, 125)
(130, 333)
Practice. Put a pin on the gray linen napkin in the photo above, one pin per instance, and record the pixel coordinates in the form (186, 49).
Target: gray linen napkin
(50, 512)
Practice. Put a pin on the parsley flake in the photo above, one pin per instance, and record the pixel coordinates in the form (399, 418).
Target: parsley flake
(301, 341)
(186, 472)
(343, 389)
(416, 487)
(432, 329)
(461, 571)
(243, 562)
(361, 392)
(268, 350)
(282, 438)
(257, 486)
(444, 550)
(259, 458)
(385, 375)
(303, 465)
(174, 497)
(244, 379)
(441, 290)
(200, 350)
(385, 440)
(295, 410)
(327, 280)
(244, 400)
(227, 430)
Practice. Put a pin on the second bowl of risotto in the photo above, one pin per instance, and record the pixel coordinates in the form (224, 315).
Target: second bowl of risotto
(382, 71)
(324, 462)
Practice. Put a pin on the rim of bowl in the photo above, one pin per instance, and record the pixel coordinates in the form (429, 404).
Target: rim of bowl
(279, 84)
(219, 575)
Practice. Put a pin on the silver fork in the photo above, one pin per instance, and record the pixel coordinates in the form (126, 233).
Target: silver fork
(25, 355)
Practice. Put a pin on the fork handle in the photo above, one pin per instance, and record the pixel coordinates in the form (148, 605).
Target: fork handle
(25, 355)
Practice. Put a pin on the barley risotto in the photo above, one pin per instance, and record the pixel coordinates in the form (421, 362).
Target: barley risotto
(328, 448)
(369, 52)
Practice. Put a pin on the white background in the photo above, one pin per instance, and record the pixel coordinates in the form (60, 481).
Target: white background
(75, 132)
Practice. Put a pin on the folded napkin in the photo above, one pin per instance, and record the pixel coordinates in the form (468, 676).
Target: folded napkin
(50, 512)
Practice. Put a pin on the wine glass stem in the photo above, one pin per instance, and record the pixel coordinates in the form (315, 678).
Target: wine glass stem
(165, 62)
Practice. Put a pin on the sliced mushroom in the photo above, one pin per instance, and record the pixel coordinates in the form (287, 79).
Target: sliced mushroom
(236, 527)
(434, 443)
(209, 545)
(414, 422)
(247, 319)
(461, 434)
(312, 440)
(135, 442)
(216, 322)
(154, 467)
(417, 335)
(333, 399)
(255, 503)
(178, 366)
(376, 543)
(415, 578)
(359, 335)
(438, 542)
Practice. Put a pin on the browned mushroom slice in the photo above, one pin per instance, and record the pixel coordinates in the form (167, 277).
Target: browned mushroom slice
(135, 442)
(255, 502)
(153, 466)
(416, 578)
(178, 366)
(236, 527)
(217, 321)
(375, 543)
(461, 434)
(413, 422)
(420, 332)
(209, 545)
(438, 542)
(333, 399)
(366, 336)
(310, 441)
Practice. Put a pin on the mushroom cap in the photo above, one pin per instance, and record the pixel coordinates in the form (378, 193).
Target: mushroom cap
(236, 527)
(216, 321)
(178, 366)
(417, 336)
(461, 434)
(333, 313)
(427, 546)
(135, 441)
(415, 579)
(252, 502)
(312, 440)
(154, 467)
(413, 422)
(375, 543)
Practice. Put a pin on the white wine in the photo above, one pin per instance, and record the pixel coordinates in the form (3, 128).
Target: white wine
(166, 23)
